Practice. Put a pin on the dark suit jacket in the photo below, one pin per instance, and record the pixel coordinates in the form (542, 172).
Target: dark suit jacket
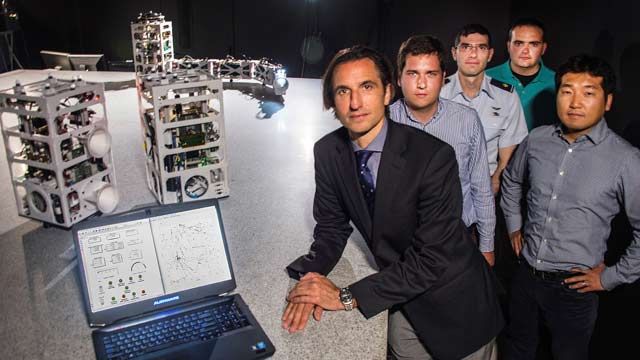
(429, 267)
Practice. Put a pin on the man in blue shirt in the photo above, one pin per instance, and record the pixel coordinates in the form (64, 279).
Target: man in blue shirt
(497, 105)
(579, 176)
(533, 81)
(500, 112)
(421, 76)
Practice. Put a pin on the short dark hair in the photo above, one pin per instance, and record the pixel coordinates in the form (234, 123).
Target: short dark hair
(527, 21)
(472, 29)
(420, 45)
(357, 52)
(591, 65)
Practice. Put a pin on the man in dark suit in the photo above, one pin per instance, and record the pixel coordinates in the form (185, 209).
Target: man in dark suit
(400, 188)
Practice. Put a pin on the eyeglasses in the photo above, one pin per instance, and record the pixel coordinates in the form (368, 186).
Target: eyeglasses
(464, 47)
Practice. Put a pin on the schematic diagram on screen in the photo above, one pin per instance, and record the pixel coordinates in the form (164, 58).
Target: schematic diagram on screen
(187, 255)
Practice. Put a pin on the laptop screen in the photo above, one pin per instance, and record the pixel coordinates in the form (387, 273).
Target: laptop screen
(147, 258)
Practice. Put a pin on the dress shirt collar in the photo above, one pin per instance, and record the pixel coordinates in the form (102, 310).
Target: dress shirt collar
(597, 134)
(409, 114)
(378, 142)
(484, 86)
(487, 87)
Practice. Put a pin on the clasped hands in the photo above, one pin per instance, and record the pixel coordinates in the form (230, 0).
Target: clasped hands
(314, 293)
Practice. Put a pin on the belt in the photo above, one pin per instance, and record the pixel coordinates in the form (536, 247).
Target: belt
(548, 275)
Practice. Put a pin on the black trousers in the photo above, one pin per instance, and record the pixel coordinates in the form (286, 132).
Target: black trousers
(506, 259)
(569, 315)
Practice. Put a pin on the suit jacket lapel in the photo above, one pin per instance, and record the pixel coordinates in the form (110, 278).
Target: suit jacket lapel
(390, 170)
(347, 173)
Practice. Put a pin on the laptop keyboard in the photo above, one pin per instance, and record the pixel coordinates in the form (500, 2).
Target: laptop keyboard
(199, 325)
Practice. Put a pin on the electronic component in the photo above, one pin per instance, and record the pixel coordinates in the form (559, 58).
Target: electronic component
(183, 127)
(152, 40)
(58, 149)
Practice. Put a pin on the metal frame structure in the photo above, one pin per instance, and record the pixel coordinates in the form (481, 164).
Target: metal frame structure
(264, 71)
(58, 150)
(184, 135)
(152, 42)
(181, 112)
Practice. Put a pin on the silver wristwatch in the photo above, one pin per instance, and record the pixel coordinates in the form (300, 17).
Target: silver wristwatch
(346, 298)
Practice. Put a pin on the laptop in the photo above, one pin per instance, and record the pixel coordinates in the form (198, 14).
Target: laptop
(154, 282)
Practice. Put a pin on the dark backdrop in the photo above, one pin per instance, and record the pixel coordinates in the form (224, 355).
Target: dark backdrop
(277, 28)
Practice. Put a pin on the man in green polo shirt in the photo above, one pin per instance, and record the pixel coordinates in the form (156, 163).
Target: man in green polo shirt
(534, 82)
